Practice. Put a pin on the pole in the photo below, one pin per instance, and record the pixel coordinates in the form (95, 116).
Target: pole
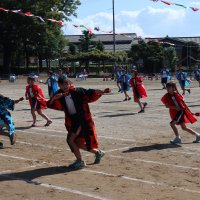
(114, 41)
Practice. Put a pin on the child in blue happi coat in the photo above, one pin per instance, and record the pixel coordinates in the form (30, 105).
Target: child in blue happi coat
(6, 118)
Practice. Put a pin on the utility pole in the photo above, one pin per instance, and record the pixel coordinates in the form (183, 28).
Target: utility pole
(114, 41)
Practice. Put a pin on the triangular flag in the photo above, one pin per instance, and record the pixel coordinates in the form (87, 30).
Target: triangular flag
(180, 5)
(194, 9)
(166, 2)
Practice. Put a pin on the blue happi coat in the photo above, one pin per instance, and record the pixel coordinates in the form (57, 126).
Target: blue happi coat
(127, 79)
(178, 76)
(52, 85)
(5, 116)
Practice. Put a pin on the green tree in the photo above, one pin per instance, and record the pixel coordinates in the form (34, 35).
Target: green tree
(29, 35)
(151, 53)
(170, 57)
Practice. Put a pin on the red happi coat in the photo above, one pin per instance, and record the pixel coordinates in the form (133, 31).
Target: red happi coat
(138, 88)
(38, 94)
(188, 116)
(81, 97)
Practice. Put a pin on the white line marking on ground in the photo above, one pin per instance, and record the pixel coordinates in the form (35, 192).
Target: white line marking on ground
(17, 157)
(47, 185)
(142, 181)
(157, 163)
(46, 130)
(38, 145)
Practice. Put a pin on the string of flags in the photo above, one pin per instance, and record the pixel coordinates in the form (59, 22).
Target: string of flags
(177, 4)
(29, 14)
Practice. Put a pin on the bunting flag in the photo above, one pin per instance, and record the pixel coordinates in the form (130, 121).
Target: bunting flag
(29, 14)
(168, 3)
(177, 4)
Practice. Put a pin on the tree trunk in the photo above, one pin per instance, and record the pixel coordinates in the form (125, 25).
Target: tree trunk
(6, 59)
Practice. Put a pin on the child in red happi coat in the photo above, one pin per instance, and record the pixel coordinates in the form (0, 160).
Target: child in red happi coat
(139, 91)
(179, 112)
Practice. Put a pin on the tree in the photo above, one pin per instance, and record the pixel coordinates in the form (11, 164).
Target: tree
(170, 57)
(29, 35)
(151, 53)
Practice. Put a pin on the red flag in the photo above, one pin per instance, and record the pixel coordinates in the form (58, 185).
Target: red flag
(28, 14)
(194, 9)
(168, 3)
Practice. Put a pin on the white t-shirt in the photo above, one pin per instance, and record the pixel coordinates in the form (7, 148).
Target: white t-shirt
(164, 74)
(31, 92)
(70, 105)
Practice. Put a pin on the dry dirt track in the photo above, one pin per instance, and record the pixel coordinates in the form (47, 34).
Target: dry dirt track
(139, 163)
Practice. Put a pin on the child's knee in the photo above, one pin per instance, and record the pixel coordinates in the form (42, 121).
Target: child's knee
(172, 123)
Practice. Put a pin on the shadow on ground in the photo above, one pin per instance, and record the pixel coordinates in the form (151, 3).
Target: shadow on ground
(29, 176)
(119, 115)
(152, 147)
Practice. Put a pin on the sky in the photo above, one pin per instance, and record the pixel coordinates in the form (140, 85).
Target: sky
(143, 17)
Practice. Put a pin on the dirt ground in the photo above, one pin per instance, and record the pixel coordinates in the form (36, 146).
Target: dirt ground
(139, 163)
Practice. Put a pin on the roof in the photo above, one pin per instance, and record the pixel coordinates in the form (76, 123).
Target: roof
(123, 41)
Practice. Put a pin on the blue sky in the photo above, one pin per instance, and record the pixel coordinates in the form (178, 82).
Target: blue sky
(144, 17)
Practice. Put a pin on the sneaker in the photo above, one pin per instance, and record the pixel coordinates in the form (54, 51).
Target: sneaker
(189, 91)
(141, 111)
(99, 155)
(129, 98)
(176, 140)
(125, 100)
(78, 164)
(1, 145)
(48, 123)
(12, 139)
(197, 139)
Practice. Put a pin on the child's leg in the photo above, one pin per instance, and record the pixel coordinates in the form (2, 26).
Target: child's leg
(42, 114)
(33, 115)
(173, 125)
(73, 145)
(140, 104)
(189, 130)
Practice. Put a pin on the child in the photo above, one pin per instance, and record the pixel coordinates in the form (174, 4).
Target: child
(52, 84)
(124, 80)
(118, 76)
(197, 74)
(6, 118)
(165, 76)
(183, 81)
(78, 120)
(36, 99)
(179, 113)
(139, 90)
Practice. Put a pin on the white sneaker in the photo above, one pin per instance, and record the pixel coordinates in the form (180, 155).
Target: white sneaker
(176, 140)
(197, 139)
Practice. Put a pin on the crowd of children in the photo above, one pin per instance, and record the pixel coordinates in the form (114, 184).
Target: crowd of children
(73, 101)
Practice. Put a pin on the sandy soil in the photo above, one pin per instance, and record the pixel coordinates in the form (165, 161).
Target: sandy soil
(139, 163)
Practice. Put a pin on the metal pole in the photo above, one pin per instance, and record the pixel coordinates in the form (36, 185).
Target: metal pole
(114, 41)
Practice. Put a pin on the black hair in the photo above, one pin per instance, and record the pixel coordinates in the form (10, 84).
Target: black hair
(171, 85)
(134, 71)
(62, 79)
(50, 72)
(31, 78)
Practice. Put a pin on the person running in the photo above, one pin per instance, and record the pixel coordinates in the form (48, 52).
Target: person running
(78, 119)
(197, 74)
(52, 83)
(139, 91)
(183, 81)
(6, 118)
(125, 87)
(37, 100)
(165, 76)
(179, 112)
(118, 77)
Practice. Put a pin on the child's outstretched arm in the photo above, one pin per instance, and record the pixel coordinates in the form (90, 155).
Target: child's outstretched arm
(20, 99)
